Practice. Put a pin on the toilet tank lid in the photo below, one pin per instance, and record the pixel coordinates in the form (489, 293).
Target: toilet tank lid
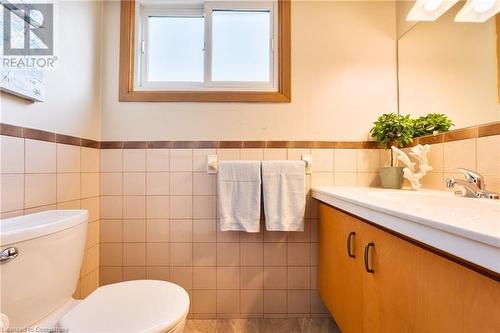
(26, 227)
(132, 306)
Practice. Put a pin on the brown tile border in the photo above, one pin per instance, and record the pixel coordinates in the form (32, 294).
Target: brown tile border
(489, 129)
(439, 138)
(11, 130)
(35, 134)
(135, 144)
(462, 134)
(301, 144)
(179, 144)
(237, 144)
(68, 140)
(278, 144)
(323, 144)
(254, 144)
(111, 145)
(205, 145)
(230, 144)
(191, 144)
(91, 143)
(159, 144)
(357, 145)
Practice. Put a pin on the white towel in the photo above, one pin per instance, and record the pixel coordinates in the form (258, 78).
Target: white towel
(283, 183)
(239, 187)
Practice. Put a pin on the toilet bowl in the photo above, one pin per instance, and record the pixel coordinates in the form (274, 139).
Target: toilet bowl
(134, 306)
(38, 282)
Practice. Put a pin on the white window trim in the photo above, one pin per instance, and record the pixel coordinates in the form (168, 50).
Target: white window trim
(145, 9)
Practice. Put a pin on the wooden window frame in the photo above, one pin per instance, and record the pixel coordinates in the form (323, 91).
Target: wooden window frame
(127, 68)
(497, 18)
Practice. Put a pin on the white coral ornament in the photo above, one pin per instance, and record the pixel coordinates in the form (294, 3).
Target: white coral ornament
(418, 152)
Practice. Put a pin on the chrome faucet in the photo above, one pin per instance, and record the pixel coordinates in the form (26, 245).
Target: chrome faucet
(472, 186)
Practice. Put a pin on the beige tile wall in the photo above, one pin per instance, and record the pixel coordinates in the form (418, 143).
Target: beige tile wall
(481, 154)
(159, 221)
(38, 175)
(157, 213)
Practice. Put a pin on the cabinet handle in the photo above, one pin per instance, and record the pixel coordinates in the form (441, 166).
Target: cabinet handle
(367, 253)
(351, 234)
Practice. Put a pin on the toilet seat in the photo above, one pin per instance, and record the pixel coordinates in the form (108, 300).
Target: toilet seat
(146, 306)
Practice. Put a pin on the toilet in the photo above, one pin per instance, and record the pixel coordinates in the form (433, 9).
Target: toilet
(41, 259)
(134, 306)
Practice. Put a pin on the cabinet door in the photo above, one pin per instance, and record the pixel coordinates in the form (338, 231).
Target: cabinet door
(481, 303)
(329, 266)
(440, 298)
(452, 298)
(389, 293)
(340, 279)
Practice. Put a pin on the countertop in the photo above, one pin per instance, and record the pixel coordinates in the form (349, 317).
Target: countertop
(467, 228)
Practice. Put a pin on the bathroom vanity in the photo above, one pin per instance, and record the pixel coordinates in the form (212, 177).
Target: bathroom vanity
(401, 261)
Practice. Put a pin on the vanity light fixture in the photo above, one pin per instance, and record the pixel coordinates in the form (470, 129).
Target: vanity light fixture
(478, 10)
(429, 10)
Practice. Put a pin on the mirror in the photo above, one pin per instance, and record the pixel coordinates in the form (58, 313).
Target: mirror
(448, 67)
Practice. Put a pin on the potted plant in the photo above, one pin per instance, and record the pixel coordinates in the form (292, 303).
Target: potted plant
(432, 123)
(392, 129)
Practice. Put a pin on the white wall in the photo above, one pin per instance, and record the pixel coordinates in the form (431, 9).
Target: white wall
(343, 77)
(449, 67)
(402, 9)
(73, 89)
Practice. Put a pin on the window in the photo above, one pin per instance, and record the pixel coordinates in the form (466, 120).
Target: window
(241, 47)
(174, 50)
(207, 46)
(205, 51)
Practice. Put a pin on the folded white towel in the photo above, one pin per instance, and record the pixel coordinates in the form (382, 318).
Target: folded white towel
(283, 184)
(239, 187)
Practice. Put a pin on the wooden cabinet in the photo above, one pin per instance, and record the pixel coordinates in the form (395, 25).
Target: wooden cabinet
(410, 289)
(340, 277)
(452, 298)
(388, 292)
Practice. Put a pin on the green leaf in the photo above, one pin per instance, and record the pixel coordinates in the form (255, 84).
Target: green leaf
(392, 129)
(433, 122)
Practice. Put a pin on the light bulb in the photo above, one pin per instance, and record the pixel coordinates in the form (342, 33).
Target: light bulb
(478, 10)
(482, 6)
(432, 5)
(429, 10)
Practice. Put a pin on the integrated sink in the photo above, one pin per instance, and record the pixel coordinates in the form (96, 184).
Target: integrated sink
(478, 215)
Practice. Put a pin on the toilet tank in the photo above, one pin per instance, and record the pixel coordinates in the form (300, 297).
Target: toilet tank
(44, 275)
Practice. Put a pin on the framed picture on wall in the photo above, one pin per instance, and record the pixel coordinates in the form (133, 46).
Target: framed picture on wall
(21, 46)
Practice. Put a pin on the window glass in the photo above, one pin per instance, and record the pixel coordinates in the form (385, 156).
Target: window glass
(241, 42)
(175, 49)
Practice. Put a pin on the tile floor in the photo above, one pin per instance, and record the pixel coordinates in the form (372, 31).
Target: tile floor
(260, 325)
